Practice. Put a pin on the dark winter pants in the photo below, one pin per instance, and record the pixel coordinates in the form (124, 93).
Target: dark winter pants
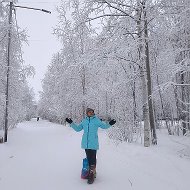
(91, 156)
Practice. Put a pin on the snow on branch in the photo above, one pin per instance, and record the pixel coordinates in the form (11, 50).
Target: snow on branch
(176, 84)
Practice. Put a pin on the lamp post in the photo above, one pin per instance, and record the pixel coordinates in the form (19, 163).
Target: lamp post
(43, 10)
(8, 62)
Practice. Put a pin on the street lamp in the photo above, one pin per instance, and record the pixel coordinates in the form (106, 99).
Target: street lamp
(43, 10)
(8, 60)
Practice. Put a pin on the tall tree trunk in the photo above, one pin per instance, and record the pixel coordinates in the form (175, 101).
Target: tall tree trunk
(183, 117)
(149, 83)
(177, 107)
(134, 102)
(143, 80)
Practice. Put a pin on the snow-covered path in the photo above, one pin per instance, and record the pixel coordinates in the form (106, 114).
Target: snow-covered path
(45, 156)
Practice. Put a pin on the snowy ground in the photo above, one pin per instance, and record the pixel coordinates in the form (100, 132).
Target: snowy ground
(45, 156)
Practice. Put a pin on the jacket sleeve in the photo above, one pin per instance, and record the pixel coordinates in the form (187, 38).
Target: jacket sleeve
(103, 125)
(77, 128)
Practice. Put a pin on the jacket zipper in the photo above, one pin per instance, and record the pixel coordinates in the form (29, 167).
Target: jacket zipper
(88, 132)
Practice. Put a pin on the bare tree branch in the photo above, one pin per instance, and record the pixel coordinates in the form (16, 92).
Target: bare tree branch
(90, 19)
(116, 8)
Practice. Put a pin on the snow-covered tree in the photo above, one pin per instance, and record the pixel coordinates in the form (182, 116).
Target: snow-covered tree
(120, 58)
(20, 96)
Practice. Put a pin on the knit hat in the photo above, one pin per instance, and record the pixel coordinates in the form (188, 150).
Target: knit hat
(89, 109)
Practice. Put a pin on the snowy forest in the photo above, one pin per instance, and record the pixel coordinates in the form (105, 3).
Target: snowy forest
(16, 97)
(129, 60)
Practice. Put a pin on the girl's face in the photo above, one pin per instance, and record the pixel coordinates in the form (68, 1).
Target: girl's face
(90, 113)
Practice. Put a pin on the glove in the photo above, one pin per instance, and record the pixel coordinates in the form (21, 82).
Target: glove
(69, 120)
(112, 122)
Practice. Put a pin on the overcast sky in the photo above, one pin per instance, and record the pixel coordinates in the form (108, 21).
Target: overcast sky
(42, 43)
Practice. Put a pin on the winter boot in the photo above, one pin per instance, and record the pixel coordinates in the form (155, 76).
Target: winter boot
(91, 174)
(95, 172)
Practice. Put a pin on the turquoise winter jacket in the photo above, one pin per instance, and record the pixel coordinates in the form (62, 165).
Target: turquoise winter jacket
(90, 126)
